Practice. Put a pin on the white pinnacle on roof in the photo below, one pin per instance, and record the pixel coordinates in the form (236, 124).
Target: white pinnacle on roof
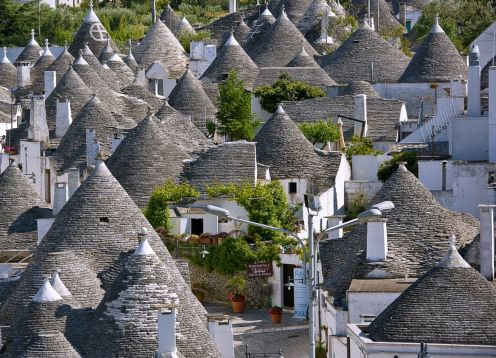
(91, 16)
(59, 286)
(115, 58)
(437, 28)
(46, 293)
(5, 59)
(452, 259)
(46, 51)
(130, 54)
(33, 40)
(102, 170)
(108, 47)
(475, 49)
(266, 12)
(231, 41)
(280, 110)
(80, 60)
(144, 248)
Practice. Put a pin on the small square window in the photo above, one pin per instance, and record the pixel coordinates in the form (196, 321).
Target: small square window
(104, 220)
(293, 188)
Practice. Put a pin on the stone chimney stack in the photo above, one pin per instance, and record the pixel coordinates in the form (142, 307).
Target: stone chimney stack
(60, 197)
(167, 331)
(23, 74)
(73, 181)
(474, 83)
(50, 78)
(360, 101)
(492, 114)
(403, 13)
(377, 241)
(220, 328)
(92, 147)
(63, 116)
(233, 6)
(38, 128)
(487, 241)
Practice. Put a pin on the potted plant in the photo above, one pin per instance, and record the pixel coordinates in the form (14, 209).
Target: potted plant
(276, 314)
(199, 290)
(236, 286)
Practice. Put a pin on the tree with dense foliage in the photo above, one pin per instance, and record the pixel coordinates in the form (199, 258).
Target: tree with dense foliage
(390, 166)
(320, 131)
(235, 117)
(157, 210)
(462, 20)
(360, 146)
(285, 89)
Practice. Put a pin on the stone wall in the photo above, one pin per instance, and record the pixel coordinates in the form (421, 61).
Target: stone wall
(258, 289)
(354, 189)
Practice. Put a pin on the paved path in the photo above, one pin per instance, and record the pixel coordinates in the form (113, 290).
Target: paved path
(254, 328)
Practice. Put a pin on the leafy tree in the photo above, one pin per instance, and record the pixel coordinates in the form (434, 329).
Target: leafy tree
(234, 115)
(462, 20)
(320, 132)
(185, 38)
(285, 89)
(229, 257)
(157, 211)
(360, 146)
(390, 166)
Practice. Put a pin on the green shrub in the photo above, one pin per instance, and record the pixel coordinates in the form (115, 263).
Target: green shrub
(320, 132)
(360, 146)
(390, 166)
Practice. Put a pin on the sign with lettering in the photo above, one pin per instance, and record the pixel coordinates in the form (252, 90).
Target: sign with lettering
(300, 294)
(259, 269)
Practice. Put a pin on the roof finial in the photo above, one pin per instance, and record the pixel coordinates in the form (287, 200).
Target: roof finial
(283, 9)
(91, 4)
(46, 43)
(32, 33)
(437, 28)
(280, 110)
(452, 241)
(5, 59)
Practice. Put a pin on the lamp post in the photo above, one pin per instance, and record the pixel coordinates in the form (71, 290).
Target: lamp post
(313, 204)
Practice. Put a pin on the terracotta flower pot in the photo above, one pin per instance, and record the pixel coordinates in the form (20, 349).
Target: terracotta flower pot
(276, 318)
(238, 307)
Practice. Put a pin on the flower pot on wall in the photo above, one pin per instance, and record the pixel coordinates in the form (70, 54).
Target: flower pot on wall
(276, 318)
(238, 306)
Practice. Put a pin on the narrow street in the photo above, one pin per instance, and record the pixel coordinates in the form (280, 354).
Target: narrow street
(255, 333)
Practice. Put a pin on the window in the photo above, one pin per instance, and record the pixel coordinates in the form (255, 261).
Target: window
(196, 226)
(104, 220)
(293, 188)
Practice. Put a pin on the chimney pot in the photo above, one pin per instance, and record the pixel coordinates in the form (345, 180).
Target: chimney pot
(487, 241)
(377, 243)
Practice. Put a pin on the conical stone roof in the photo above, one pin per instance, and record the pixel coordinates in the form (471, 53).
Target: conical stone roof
(180, 130)
(277, 46)
(184, 27)
(295, 9)
(70, 86)
(39, 68)
(20, 206)
(232, 57)
(107, 75)
(31, 52)
(282, 146)
(161, 45)
(121, 70)
(451, 304)
(72, 151)
(413, 248)
(239, 29)
(190, 98)
(93, 33)
(136, 89)
(144, 160)
(360, 87)
(170, 18)
(302, 59)
(387, 20)
(313, 15)
(61, 63)
(353, 60)
(8, 72)
(436, 60)
(49, 345)
(107, 52)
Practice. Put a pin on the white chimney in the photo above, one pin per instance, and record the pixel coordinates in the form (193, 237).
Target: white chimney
(63, 117)
(43, 225)
(360, 102)
(73, 181)
(333, 221)
(60, 197)
(403, 13)
(220, 328)
(23, 74)
(38, 128)
(377, 245)
(487, 241)
(492, 114)
(167, 331)
(92, 147)
(474, 83)
(232, 6)
(50, 78)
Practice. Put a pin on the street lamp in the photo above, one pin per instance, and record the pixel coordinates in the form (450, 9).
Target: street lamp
(312, 204)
